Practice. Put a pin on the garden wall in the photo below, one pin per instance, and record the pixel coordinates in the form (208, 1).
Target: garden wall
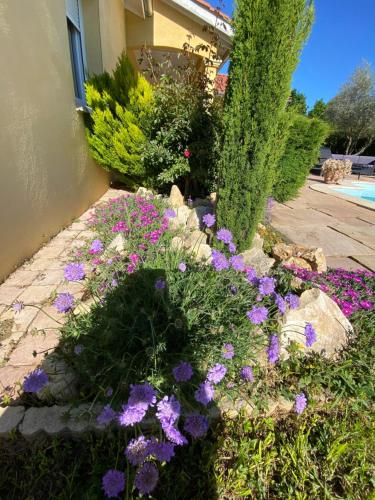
(47, 177)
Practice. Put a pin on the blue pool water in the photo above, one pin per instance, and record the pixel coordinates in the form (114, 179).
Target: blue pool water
(364, 190)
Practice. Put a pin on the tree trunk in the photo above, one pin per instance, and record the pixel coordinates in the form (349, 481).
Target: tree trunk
(368, 143)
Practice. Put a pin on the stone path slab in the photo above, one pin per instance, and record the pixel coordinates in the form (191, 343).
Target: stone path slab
(344, 263)
(366, 260)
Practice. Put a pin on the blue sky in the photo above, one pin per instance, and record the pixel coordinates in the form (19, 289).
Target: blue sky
(343, 36)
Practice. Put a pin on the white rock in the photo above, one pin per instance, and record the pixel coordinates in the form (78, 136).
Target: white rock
(118, 244)
(10, 417)
(48, 419)
(195, 220)
(183, 214)
(331, 326)
(193, 239)
(142, 191)
(61, 379)
(257, 259)
(177, 243)
(203, 253)
(175, 198)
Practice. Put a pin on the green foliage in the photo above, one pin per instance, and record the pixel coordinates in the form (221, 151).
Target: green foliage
(116, 129)
(266, 46)
(318, 110)
(306, 136)
(297, 102)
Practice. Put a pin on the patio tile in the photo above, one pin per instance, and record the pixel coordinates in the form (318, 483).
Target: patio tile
(344, 263)
(49, 251)
(36, 294)
(10, 375)
(48, 318)
(367, 261)
(8, 294)
(21, 320)
(22, 278)
(44, 264)
(77, 226)
(66, 234)
(86, 235)
(51, 277)
(75, 288)
(32, 349)
(365, 235)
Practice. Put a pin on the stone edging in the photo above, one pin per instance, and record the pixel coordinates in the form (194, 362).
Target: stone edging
(327, 189)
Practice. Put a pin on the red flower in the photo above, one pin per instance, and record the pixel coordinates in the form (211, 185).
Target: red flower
(187, 153)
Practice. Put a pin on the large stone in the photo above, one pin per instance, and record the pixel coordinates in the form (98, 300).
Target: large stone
(194, 239)
(47, 419)
(10, 417)
(258, 260)
(294, 254)
(203, 253)
(183, 214)
(257, 242)
(61, 380)
(177, 243)
(195, 220)
(176, 199)
(118, 244)
(142, 191)
(331, 326)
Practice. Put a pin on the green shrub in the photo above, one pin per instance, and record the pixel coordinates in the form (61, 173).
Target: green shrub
(306, 135)
(117, 128)
(266, 46)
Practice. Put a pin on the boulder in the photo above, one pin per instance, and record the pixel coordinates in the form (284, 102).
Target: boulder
(294, 254)
(176, 199)
(194, 239)
(257, 242)
(203, 253)
(213, 198)
(118, 244)
(195, 219)
(177, 243)
(257, 259)
(142, 191)
(183, 214)
(331, 326)
(62, 381)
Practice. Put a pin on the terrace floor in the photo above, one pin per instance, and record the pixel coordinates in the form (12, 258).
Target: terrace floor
(343, 229)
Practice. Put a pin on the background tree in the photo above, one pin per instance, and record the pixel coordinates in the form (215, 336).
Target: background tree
(268, 38)
(352, 111)
(318, 110)
(297, 102)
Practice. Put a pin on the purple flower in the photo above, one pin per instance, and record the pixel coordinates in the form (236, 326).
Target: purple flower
(137, 450)
(257, 315)
(273, 349)
(232, 247)
(171, 214)
(174, 435)
(109, 392)
(162, 451)
(35, 381)
(18, 306)
(219, 261)
(281, 304)
(209, 220)
(131, 415)
(267, 285)
(251, 275)
(74, 271)
(142, 395)
(366, 304)
(300, 403)
(96, 247)
(146, 478)
(310, 335)
(160, 284)
(246, 373)
(64, 302)
(237, 263)
(224, 235)
(78, 349)
(233, 290)
(196, 425)
(228, 351)
(113, 483)
(182, 267)
(292, 300)
(106, 416)
(168, 411)
(216, 373)
(205, 393)
(182, 372)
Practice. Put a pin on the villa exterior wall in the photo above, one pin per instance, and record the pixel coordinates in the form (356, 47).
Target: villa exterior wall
(47, 177)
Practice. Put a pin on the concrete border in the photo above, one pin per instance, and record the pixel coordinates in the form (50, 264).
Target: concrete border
(328, 189)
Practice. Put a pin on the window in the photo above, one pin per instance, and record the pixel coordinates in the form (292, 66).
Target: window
(76, 45)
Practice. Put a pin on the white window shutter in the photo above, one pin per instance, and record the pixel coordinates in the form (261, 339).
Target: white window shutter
(72, 11)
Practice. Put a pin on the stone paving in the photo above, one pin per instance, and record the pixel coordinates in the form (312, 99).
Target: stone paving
(344, 230)
(26, 337)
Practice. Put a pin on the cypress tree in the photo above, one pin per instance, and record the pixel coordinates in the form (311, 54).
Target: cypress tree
(268, 37)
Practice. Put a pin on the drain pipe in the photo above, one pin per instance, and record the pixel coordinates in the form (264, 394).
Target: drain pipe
(149, 11)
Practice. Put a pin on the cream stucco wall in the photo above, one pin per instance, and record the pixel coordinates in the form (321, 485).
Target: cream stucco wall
(47, 177)
(112, 31)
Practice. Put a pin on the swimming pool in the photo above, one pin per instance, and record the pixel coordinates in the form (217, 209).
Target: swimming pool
(364, 190)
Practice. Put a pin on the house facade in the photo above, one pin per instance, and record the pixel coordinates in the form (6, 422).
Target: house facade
(48, 48)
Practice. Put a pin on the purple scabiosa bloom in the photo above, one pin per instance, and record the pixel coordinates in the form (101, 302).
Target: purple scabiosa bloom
(196, 425)
(219, 261)
(96, 247)
(232, 247)
(162, 451)
(182, 267)
(142, 395)
(109, 392)
(300, 403)
(131, 415)
(224, 235)
(205, 393)
(18, 306)
(35, 381)
(74, 271)
(292, 300)
(160, 284)
(273, 349)
(251, 275)
(216, 373)
(64, 302)
(228, 351)
(175, 435)
(113, 483)
(209, 220)
(237, 263)
(233, 290)
(246, 373)
(267, 285)
(281, 304)
(170, 213)
(182, 372)
(146, 478)
(168, 411)
(310, 335)
(137, 450)
(78, 349)
(106, 416)
(257, 315)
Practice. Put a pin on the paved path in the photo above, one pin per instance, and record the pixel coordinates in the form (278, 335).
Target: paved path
(25, 337)
(344, 230)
